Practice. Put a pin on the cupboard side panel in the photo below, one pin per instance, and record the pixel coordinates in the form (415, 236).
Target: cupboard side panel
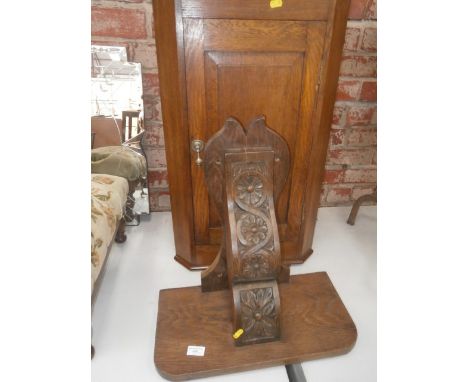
(169, 29)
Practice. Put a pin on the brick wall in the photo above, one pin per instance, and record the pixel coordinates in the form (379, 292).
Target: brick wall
(351, 162)
(351, 169)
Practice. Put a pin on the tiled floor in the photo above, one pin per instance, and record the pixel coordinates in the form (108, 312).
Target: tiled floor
(124, 316)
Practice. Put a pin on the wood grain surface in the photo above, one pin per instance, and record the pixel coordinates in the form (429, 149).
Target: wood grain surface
(237, 158)
(169, 29)
(256, 9)
(241, 58)
(314, 324)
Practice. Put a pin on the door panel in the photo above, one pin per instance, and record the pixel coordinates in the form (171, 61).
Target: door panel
(244, 68)
(251, 84)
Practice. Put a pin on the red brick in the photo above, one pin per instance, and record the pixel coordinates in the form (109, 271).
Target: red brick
(152, 109)
(164, 200)
(150, 84)
(153, 200)
(359, 66)
(362, 137)
(153, 33)
(371, 11)
(336, 137)
(118, 22)
(359, 156)
(361, 191)
(154, 134)
(369, 40)
(157, 178)
(339, 195)
(362, 175)
(159, 200)
(323, 195)
(348, 90)
(333, 176)
(156, 158)
(369, 91)
(339, 115)
(360, 115)
(357, 9)
(145, 54)
(352, 39)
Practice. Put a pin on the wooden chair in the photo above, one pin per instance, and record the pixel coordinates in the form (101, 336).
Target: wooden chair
(127, 124)
(364, 198)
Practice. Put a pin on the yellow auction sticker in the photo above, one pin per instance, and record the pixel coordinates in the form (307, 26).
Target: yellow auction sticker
(276, 3)
(238, 333)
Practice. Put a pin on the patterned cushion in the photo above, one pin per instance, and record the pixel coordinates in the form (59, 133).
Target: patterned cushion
(108, 198)
(118, 160)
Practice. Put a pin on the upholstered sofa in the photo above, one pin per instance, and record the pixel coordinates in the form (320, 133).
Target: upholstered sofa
(120, 161)
(108, 200)
(109, 195)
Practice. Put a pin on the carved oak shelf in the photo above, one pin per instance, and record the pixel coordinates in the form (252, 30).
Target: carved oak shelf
(245, 170)
(315, 324)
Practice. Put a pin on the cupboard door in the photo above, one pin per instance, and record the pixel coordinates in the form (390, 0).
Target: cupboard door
(242, 58)
(244, 68)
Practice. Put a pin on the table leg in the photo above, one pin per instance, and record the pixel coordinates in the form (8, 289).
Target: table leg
(295, 373)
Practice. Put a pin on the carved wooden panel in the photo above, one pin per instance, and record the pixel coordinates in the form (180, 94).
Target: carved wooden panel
(258, 312)
(254, 252)
(232, 139)
(245, 171)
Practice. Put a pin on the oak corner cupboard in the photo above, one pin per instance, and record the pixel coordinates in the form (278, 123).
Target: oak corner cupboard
(244, 58)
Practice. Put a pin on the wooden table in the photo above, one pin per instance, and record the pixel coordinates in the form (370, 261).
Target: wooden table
(315, 324)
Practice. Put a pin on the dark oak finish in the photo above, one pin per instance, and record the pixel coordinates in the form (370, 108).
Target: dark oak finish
(315, 324)
(257, 311)
(240, 57)
(169, 31)
(328, 80)
(245, 170)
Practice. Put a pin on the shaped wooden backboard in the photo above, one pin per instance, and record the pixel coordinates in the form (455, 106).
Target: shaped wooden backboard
(244, 171)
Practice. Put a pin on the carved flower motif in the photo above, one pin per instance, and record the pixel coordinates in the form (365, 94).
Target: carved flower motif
(258, 312)
(251, 229)
(256, 265)
(250, 190)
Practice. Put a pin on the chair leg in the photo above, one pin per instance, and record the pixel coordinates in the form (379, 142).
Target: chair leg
(129, 213)
(120, 236)
(365, 198)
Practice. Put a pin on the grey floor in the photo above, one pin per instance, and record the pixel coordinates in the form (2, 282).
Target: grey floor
(124, 315)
